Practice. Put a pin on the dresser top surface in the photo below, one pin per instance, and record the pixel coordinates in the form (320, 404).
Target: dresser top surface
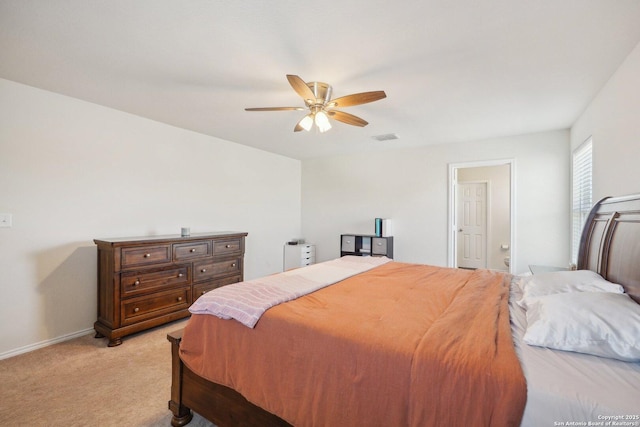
(170, 237)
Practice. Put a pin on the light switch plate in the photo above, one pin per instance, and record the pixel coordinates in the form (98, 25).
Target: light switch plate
(5, 220)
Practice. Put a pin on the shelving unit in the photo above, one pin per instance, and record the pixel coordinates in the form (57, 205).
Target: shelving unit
(366, 245)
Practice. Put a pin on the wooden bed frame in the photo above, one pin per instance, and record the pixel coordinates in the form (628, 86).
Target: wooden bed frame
(610, 246)
(610, 243)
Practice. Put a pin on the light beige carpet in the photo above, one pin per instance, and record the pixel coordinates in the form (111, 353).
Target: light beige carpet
(82, 382)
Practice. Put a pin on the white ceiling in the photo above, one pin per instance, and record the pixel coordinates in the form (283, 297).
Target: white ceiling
(453, 70)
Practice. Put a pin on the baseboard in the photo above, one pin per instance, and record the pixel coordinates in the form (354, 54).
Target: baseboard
(42, 344)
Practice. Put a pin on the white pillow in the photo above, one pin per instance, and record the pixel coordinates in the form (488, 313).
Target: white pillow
(564, 281)
(599, 323)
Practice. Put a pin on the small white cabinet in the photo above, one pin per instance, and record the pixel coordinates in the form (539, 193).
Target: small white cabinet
(299, 255)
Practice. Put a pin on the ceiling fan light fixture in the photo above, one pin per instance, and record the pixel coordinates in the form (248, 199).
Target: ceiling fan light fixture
(317, 98)
(307, 122)
(322, 121)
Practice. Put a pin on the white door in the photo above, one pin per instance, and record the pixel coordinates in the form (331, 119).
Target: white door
(471, 223)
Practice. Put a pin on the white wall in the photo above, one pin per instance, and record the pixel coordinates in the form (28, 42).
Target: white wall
(71, 171)
(613, 120)
(344, 194)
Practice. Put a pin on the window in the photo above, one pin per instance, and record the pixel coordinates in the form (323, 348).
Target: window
(581, 200)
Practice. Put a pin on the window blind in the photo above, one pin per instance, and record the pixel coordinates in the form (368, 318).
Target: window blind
(581, 199)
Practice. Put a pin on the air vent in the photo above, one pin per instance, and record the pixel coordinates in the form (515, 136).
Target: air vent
(385, 137)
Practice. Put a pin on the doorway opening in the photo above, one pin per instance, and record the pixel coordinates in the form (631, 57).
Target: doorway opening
(482, 215)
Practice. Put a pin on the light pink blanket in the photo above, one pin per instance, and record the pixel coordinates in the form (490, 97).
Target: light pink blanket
(247, 301)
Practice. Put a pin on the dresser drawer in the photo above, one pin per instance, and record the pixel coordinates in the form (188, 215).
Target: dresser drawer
(135, 282)
(140, 308)
(307, 250)
(147, 255)
(204, 287)
(227, 247)
(192, 250)
(307, 261)
(203, 270)
(307, 258)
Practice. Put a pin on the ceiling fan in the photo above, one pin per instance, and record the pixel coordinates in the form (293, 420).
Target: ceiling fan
(317, 98)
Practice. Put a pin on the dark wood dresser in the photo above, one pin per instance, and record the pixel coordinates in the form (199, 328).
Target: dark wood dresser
(147, 281)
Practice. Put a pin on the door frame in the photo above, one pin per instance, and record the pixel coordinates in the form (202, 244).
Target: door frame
(451, 225)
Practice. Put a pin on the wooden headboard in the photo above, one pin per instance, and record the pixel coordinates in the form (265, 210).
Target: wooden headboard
(610, 242)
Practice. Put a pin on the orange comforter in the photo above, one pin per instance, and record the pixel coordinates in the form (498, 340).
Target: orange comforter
(400, 345)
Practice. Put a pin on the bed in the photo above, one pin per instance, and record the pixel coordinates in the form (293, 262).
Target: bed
(307, 372)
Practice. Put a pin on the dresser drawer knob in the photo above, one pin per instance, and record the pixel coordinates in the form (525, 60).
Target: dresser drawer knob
(135, 310)
(233, 264)
(136, 283)
(192, 250)
(180, 274)
(203, 292)
(204, 270)
(179, 298)
(147, 255)
(227, 246)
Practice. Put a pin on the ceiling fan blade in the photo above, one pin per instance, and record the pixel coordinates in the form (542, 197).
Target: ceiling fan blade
(275, 109)
(358, 98)
(347, 118)
(301, 88)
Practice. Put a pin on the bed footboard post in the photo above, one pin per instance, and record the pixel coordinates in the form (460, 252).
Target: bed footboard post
(181, 414)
